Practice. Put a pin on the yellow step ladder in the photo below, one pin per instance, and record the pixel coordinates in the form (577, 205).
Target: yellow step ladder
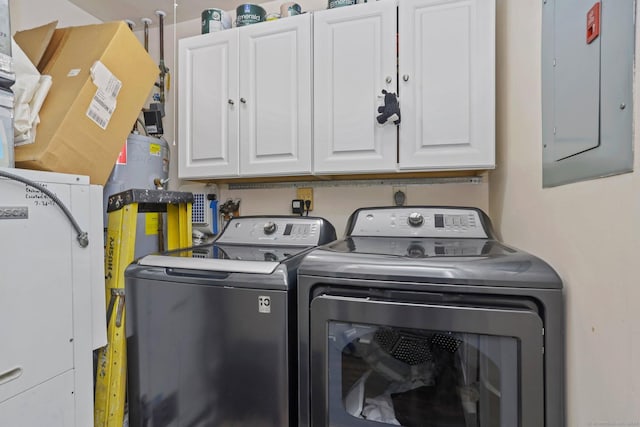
(122, 210)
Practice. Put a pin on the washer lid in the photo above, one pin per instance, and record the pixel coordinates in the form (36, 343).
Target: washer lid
(226, 258)
(208, 264)
(257, 253)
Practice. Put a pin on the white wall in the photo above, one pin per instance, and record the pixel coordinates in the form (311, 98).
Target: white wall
(27, 14)
(589, 231)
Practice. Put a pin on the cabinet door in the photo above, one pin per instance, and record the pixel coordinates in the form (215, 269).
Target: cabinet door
(354, 59)
(275, 97)
(208, 105)
(447, 84)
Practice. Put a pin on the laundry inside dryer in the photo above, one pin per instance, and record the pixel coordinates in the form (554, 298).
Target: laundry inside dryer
(384, 371)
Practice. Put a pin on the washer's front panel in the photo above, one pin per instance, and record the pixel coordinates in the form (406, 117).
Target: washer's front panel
(209, 356)
(397, 363)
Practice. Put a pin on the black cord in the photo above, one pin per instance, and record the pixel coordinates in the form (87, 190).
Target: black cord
(83, 237)
(143, 127)
(307, 205)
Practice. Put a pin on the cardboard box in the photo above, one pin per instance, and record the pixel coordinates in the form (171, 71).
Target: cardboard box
(102, 77)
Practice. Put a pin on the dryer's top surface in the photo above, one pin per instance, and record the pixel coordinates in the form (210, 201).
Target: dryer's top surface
(422, 248)
(482, 262)
(427, 245)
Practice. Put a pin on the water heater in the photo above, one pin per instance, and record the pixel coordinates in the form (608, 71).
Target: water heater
(143, 163)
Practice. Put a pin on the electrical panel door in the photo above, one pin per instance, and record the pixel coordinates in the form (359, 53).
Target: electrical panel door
(587, 96)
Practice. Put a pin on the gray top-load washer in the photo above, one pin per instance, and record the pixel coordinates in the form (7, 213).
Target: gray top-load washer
(421, 317)
(211, 330)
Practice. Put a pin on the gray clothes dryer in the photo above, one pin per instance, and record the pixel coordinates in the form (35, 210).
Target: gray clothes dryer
(421, 317)
(211, 330)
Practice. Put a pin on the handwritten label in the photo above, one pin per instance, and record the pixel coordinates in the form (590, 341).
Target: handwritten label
(36, 197)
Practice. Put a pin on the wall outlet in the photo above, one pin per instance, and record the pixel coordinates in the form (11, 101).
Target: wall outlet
(305, 193)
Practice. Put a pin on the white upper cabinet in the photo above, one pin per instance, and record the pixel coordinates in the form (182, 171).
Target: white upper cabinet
(300, 95)
(275, 97)
(245, 101)
(447, 84)
(208, 105)
(354, 60)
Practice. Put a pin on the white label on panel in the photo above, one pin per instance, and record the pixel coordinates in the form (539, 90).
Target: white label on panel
(264, 304)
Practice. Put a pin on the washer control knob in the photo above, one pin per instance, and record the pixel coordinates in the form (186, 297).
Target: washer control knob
(270, 227)
(415, 219)
(268, 256)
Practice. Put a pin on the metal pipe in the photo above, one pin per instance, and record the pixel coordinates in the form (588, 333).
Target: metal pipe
(163, 68)
(130, 23)
(161, 14)
(146, 22)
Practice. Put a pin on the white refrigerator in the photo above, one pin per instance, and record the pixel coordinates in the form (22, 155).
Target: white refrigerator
(52, 299)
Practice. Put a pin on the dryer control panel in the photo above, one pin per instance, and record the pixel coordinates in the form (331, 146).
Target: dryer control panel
(419, 221)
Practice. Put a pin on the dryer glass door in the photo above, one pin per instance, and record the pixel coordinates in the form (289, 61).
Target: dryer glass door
(377, 363)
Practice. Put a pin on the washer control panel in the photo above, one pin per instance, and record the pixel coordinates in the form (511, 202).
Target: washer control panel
(301, 231)
(418, 222)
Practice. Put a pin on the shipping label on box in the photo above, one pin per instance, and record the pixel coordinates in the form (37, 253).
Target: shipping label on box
(103, 103)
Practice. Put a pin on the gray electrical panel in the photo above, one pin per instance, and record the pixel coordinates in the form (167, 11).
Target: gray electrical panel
(587, 89)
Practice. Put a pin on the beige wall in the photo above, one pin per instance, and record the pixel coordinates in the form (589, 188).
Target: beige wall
(589, 231)
(335, 203)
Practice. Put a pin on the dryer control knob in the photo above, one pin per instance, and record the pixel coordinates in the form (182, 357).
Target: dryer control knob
(270, 227)
(415, 219)
(416, 251)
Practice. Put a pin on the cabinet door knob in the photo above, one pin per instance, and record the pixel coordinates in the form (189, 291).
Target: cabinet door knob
(388, 79)
(230, 102)
(10, 375)
(405, 77)
(244, 101)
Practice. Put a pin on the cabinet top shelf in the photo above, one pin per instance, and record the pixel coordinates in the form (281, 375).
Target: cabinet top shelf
(474, 176)
(135, 10)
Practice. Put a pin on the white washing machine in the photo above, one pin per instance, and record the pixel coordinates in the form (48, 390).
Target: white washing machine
(52, 307)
